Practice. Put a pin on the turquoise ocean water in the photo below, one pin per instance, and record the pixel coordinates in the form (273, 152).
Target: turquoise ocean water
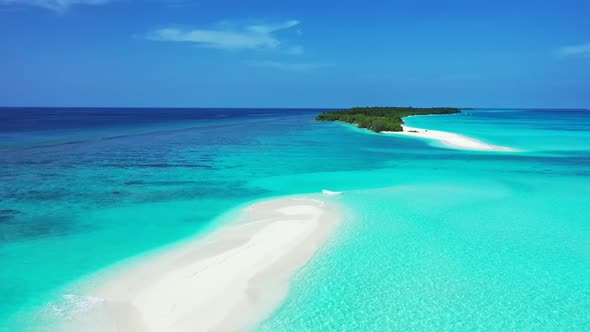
(436, 239)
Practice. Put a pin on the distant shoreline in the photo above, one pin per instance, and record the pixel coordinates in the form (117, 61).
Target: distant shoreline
(380, 119)
(389, 120)
(451, 140)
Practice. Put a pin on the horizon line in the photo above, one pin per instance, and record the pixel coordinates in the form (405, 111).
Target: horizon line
(285, 108)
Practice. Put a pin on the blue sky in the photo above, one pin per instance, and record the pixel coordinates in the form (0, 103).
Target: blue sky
(219, 53)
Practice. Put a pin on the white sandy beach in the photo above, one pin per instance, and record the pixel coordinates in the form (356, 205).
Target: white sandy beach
(229, 280)
(450, 140)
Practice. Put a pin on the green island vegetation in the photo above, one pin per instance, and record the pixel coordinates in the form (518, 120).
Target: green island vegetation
(380, 119)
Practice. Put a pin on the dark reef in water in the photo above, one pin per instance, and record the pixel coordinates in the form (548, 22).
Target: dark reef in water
(4, 219)
(159, 183)
(9, 212)
(158, 165)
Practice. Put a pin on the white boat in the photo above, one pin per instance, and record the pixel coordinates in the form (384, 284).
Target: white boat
(328, 192)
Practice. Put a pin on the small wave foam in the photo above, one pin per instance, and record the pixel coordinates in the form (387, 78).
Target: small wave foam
(72, 306)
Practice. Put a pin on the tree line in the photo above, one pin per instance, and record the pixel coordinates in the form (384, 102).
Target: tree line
(380, 119)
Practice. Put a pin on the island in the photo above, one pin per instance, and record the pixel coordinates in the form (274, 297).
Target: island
(379, 119)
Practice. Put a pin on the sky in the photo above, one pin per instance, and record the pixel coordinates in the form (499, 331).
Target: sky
(269, 53)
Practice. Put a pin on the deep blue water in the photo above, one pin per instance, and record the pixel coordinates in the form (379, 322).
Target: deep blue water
(43, 119)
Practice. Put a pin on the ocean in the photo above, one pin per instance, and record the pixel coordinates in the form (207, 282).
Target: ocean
(435, 238)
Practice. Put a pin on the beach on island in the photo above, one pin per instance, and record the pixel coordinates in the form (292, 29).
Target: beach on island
(389, 120)
(450, 140)
(229, 280)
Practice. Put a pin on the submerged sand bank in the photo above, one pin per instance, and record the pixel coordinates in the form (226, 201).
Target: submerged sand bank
(451, 140)
(229, 280)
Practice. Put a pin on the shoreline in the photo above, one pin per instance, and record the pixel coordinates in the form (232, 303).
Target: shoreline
(231, 279)
(446, 139)
(450, 140)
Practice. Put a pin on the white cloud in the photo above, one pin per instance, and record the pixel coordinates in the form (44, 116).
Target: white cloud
(582, 50)
(231, 37)
(55, 5)
(292, 67)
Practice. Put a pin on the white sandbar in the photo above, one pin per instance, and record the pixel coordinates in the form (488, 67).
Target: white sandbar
(229, 280)
(451, 140)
